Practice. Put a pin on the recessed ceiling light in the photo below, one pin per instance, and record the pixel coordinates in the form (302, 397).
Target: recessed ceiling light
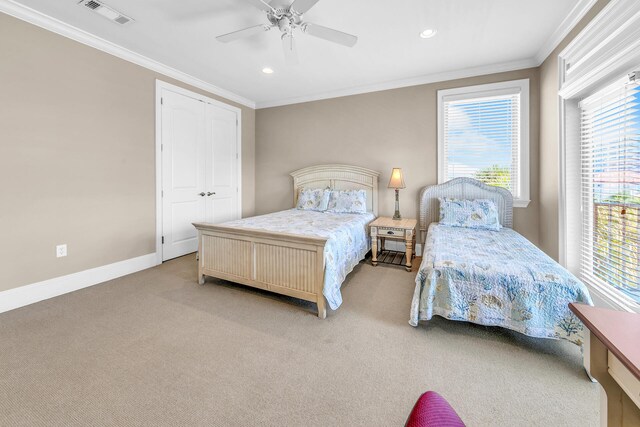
(267, 70)
(428, 33)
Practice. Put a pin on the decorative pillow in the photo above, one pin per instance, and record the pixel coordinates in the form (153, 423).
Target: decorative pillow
(348, 201)
(313, 199)
(479, 213)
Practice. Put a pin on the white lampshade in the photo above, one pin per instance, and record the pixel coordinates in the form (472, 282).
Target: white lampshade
(397, 180)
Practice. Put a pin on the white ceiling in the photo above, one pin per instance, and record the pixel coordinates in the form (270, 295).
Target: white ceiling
(473, 35)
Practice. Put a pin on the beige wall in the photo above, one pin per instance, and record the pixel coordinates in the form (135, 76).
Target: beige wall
(77, 159)
(550, 141)
(77, 151)
(380, 130)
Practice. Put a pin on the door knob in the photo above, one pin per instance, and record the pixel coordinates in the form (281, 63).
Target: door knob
(201, 194)
(211, 194)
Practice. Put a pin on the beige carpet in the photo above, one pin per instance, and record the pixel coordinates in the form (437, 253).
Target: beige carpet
(155, 348)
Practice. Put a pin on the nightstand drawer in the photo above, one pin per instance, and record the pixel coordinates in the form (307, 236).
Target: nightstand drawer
(627, 381)
(382, 232)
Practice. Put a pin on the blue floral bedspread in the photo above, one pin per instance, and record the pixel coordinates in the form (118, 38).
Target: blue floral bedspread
(496, 278)
(348, 241)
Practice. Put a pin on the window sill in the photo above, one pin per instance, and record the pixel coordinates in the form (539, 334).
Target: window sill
(603, 297)
(519, 203)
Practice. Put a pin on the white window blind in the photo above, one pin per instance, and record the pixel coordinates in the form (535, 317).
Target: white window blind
(608, 47)
(610, 190)
(483, 134)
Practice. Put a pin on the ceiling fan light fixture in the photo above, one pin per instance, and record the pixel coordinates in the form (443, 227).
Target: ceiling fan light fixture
(288, 19)
(267, 70)
(428, 33)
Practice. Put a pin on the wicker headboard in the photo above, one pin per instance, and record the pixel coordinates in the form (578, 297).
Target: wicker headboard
(338, 177)
(463, 188)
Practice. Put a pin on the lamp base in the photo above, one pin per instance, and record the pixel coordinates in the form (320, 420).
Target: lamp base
(396, 215)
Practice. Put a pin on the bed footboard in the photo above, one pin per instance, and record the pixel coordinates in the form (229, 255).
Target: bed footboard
(283, 263)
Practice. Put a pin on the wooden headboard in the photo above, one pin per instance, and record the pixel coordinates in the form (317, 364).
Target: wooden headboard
(338, 177)
(463, 188)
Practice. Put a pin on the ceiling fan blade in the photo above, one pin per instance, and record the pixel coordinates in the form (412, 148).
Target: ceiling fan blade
(289, 47)
(330, 34)
(261, 4)
(247, 32)
(302, 6)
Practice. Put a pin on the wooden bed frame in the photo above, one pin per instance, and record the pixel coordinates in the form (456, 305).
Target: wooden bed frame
(286, 264)
(462, 188)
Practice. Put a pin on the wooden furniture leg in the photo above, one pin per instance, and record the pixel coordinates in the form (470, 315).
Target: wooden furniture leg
(200, 266)
(409, 249)
(322, 307)
(374, 246)
(414, 247)
(598, 354)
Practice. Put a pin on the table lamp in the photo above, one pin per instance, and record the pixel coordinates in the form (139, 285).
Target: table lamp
(397, 182)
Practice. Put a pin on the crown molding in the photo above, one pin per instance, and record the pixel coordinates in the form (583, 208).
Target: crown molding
(396, 84)
(10, 7)
(575, 15)
(573, 18)
(41, 20)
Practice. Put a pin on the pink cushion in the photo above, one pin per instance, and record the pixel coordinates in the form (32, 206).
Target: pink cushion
(431, 410)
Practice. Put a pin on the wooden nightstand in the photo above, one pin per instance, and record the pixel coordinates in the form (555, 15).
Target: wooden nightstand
(387, 228)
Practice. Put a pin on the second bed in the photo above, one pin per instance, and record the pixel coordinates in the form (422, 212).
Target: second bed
(492, 278)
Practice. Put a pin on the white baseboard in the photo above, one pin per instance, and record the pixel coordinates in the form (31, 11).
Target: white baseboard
(29, 294)
(394, 245)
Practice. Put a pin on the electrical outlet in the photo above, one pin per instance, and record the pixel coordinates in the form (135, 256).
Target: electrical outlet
(61, 250)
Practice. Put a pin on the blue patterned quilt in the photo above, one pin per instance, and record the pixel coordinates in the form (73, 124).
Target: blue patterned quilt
(348, 241)
(496, 278)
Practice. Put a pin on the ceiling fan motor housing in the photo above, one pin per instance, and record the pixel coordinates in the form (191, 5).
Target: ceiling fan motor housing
(284, 19)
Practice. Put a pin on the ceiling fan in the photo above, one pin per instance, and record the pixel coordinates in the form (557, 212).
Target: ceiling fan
(288, 19)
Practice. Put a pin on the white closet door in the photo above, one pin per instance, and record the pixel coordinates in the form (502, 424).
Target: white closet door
(183, 172)
(222, 164)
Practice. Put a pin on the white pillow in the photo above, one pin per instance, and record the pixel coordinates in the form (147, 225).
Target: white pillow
(313, 199)
(348, 201)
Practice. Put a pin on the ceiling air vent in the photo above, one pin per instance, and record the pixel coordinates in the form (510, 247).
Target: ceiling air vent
(92, 4)
(122, 19)
(106, 11)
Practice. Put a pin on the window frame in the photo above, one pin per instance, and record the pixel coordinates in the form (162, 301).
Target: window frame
(571, 229)
(603, 52)
(488, 90)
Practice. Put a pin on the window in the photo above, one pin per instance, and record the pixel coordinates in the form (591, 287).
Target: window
(483, 133)
(599, 156)
(610, 188)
